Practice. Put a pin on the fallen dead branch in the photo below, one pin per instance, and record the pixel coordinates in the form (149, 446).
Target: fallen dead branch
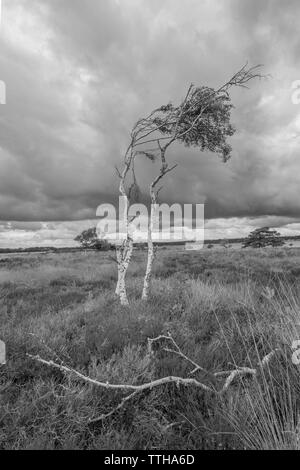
(155, 345)
(123, 387)
(232, 374)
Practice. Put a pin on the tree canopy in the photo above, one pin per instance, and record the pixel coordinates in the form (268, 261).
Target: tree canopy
(210, 132)
(262, 237)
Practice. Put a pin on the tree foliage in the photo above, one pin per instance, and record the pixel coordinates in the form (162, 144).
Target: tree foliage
(202, 120)
(263, 237)
(208, 133)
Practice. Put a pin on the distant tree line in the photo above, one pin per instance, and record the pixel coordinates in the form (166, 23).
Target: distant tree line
(88, 240)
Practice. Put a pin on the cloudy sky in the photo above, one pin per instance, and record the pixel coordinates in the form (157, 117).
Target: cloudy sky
(79, 73)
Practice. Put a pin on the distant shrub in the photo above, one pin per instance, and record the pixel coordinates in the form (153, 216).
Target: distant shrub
(90, 239)
(263, 237)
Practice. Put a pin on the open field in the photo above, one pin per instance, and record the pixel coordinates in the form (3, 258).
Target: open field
(225, 309)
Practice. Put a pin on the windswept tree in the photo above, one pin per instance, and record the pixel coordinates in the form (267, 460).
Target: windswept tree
(201, 120)
(263, 237)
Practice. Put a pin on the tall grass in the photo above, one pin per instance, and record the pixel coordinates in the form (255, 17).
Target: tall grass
(225, 310)
(265, 412)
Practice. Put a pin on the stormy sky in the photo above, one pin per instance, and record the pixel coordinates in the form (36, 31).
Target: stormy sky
(79, 73)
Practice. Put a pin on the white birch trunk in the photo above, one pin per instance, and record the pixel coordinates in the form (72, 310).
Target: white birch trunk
(124, 252)
(122, 287)
(122, 270)
(151, 252)
(148, 275)
(119, 260)
(123, 255)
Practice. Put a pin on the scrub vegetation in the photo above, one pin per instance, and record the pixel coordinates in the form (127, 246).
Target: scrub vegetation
(224, 308)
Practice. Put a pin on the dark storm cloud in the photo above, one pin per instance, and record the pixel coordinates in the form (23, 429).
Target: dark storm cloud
(80, 72)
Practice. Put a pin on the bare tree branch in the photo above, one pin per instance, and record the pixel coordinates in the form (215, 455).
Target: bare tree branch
(179, 381)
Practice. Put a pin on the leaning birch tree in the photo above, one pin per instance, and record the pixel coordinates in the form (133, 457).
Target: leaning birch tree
(202, 120)
(130, 193)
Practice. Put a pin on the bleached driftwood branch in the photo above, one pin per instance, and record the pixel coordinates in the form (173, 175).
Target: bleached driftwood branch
(123, 387)
(135, 389)
(232, 374)
(179, 381)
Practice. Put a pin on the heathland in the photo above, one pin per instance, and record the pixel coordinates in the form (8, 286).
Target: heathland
(224, 308)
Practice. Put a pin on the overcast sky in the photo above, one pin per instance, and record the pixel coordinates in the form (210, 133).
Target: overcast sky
(80, 72)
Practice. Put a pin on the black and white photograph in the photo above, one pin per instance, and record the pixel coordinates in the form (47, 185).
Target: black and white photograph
(149, 227)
